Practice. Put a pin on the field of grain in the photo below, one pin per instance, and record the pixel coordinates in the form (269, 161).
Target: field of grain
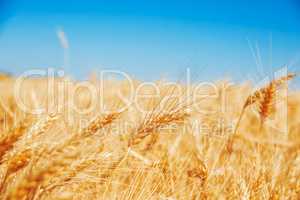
(62, 139)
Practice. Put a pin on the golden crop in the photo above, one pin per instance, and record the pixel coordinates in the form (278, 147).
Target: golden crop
(237, 144)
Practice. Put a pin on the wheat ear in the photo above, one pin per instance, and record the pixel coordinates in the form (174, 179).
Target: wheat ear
(29, 185)
(7, 142)
(11, 138)
(156, 122)
(38, 178)
(257, 95)
(199, 172)
(265, 103)
(72, 172)
(18, 162)
(98, 123)
(43, 125)
(264, 97)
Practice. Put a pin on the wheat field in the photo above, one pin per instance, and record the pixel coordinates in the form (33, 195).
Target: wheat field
(227, 142)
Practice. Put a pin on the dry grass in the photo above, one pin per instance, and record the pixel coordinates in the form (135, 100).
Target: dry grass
(238, 153)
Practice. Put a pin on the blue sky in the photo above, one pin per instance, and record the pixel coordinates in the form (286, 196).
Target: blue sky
(151, 39)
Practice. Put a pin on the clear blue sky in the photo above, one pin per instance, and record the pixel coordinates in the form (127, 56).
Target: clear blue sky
(152, 38)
